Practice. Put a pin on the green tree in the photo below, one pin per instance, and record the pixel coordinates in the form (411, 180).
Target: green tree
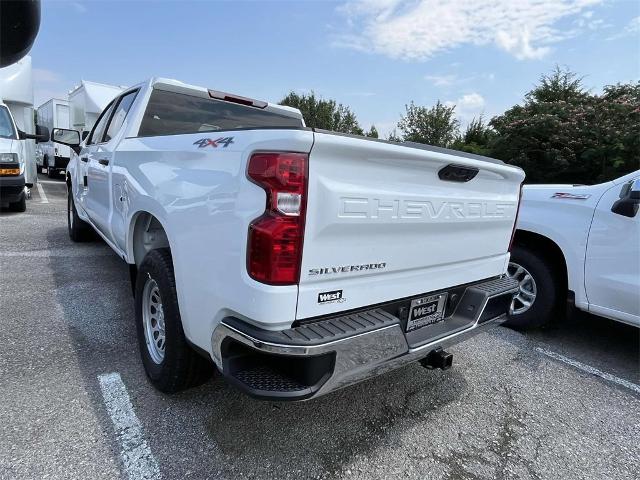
(324, 114)
(561, 85)
(372, 133)
(436, 126)
(394, 137)
(562, 133)
(477, 138)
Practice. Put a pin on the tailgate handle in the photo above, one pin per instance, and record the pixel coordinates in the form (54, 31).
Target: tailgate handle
(457, 173)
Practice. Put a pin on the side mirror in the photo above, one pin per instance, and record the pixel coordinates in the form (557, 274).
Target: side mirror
(629, 201)
(70, 138)
(41, 135)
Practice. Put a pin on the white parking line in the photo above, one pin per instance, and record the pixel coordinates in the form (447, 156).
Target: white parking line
(589, 369)
(43, 196)
(137, 458)
(52, 182)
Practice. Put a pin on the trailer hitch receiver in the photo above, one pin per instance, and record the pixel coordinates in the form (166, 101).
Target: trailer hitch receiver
(437, 358)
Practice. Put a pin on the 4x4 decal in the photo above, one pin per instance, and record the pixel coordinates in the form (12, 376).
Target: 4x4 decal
(207, 142)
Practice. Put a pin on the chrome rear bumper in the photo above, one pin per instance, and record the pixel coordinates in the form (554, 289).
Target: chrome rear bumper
(317, 358)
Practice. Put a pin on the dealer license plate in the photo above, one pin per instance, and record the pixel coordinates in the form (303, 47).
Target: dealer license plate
(426, 311)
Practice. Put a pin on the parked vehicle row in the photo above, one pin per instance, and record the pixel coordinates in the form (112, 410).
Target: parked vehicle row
(299, 261)
(80, 111)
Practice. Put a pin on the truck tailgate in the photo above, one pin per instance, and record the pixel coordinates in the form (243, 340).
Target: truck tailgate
(381, 224)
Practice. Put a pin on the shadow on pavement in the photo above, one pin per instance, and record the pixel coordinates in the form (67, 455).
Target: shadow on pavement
(605, 344)
(215, 428)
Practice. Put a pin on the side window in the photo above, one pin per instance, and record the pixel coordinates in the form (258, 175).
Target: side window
(124, 105)
(98, 129)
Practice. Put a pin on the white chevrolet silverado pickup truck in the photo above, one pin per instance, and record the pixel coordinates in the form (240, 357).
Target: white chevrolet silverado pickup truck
(299, 261)
(579, 243)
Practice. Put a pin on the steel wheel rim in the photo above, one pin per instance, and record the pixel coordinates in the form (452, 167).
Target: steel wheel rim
(153, 320)
(527, 290)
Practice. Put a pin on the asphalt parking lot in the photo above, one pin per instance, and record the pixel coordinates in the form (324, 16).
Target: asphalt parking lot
(561, 403)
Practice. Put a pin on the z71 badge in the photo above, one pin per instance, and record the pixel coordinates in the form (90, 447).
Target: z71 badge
(207, 142)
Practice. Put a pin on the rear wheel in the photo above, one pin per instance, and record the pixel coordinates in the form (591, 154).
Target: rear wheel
(170, 363)
(79, 230)
(536, 303)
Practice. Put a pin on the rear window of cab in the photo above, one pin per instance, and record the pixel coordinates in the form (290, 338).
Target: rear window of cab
(172, 113)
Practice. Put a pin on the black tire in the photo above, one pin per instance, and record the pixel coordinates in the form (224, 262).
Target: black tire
(51, 172)
(181, 367)
(79, 230)
(545, 308)
(20, 205)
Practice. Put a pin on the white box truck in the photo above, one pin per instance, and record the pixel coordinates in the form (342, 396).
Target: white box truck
(16, 93)
(54, 113)
(17, 134)
(87, 101)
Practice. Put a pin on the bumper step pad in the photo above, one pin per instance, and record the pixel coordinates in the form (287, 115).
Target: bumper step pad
(322, 331)
(266, 379)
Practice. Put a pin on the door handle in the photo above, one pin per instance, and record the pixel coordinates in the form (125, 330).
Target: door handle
(103, 161)
(84, 159)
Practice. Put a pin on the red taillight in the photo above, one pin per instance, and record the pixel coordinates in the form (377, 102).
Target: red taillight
(275, 239)
(515, 223)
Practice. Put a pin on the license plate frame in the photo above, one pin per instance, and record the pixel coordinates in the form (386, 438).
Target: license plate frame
(425, 311)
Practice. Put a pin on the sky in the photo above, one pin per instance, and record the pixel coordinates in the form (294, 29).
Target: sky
(374, 56)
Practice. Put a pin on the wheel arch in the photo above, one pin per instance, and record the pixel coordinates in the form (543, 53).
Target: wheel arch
(546, 248)
(146, 232)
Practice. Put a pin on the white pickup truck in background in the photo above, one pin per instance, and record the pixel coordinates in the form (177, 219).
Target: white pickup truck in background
(299, 261)
(580, 243)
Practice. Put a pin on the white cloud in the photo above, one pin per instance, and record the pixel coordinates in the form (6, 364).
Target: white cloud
(468, 106)
(442, 80)
(631, 29)
(420, 29)
(468, 102)
(633, 26)
(449, 80)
